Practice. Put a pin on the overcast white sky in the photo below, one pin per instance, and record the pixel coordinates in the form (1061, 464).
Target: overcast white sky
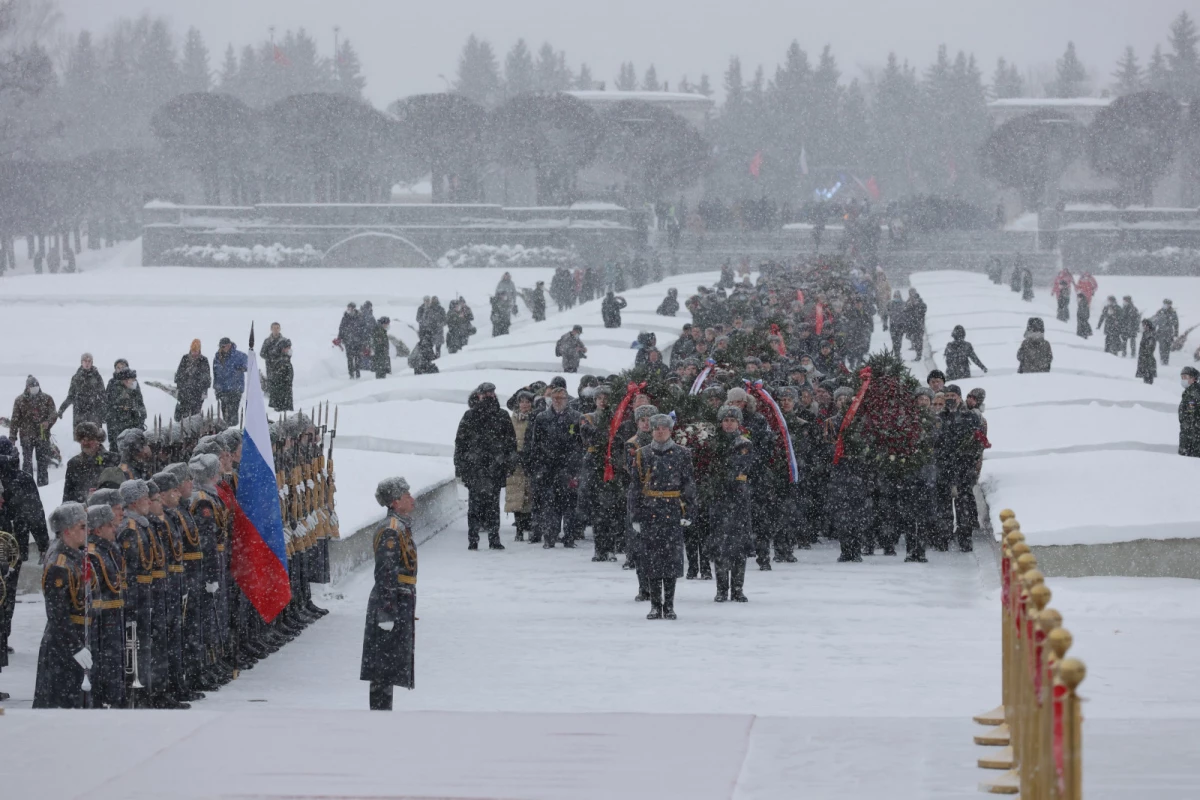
(405, 44)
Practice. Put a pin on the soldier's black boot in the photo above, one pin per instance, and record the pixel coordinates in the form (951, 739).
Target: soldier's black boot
(737, 579)
(494, 541)
(669, 599)
(381, 696)
(656, 600)
(643, 590)
(722, 586)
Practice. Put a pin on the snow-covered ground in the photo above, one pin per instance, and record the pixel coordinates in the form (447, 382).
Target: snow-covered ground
(537, 674)
(1086, 454)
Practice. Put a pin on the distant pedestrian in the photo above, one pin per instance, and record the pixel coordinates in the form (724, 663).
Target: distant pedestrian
(959, 355)
(1083, 314)
(229, 382)
(1112, 320)
(1026, 285)
(1035, 353)
(86, 393)
(570, 349)
(1061, 289)
(1147, 369)
(610, 310)
(670, 304)
(33, 415)
(350, 339)
(1131, 326)
(1189, 413)
(193, 377)
(381, 349)
(1166, 328)
(280, 387)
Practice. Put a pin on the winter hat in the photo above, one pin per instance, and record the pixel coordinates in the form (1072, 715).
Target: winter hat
(231, 438)
(1035, 325)
(130, 441)
(68, 515)
(979, 394)
(661, 421)
(524, 395)
(180, 471)
(389, 490)
(485, 387)
(788, 391)
(937, 373)
(31, 382)
(603, 389)
(1192, 371)
(924, 391)
(211, 445)
(88, 430)
(106, 497)
(728, 412)
(577, 329)
(126, 374)
(714, 391)
(959, 333)
(385, 320)
(99, 516)
(755, 360)
(165, 481)
(133, 490)
(952, 388)
(644, 412)
(204, 467)
(736, 395)
(558, 382)
(152, 490)
(843, 391)
(195, 348)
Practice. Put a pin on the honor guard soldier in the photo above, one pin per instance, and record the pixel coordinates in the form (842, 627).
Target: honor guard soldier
(108, 607)
(641, 438)
(192, 633)
(138, 546)
(162, 505)
(63, 657)
(389, 638)
(662, 495)
(209, 513)
(726, 492)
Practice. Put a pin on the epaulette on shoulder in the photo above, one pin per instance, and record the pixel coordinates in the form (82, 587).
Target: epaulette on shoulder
(61, 561)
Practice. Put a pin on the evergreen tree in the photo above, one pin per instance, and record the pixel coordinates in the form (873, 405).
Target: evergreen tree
(227, 81)
(650, 82)
(1184, 59)
(584, 80)
(1158, 78)
(1006, 81)
(551, 73)
(518, 70)
(478, 75)
(855, 127)
(195, 73)
(735, 88)
(83, 68)
(627, 78)
(895, 120)
(1071, 76)
(704, 87)
(348, 70)
(1128, 74)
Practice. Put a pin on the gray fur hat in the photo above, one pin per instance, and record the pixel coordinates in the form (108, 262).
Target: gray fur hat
(787, 391)
(231, 438)
(736, 395)
(134, 490)
(726, 412)
(68, 515)
(179, 470)
(204, 468)
(390, 489)
(644, 412)
(843, 391)
(165, 481)
(210, 445)
(714, 391)
(152, 489)
(105, 497)
(661, 421)
(130, 441)
(924, 391)
(99, 516)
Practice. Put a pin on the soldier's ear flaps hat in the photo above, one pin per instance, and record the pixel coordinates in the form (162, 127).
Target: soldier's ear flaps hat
(165, 481)
(99, 516)
(204, 467)
(661, 421)
(729, 412)
(390, 490)
(68, 515)
(209, 445)
(179, 470)
(133, 490)
(644, 412)
(1195, 373)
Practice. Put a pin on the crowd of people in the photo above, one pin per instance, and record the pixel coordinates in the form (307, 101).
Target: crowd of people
(141, 576)
(745, 446)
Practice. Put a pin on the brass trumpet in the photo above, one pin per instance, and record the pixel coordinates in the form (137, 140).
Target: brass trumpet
(10, 556)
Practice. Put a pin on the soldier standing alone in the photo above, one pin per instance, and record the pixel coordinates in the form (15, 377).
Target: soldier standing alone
(1189, 413)
(389, 638)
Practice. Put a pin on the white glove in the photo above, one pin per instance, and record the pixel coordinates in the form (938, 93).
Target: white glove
(284, 490)
(637, 527)
(387, 626)
(310, 484)
(84, 658)
(184, 598)
(212, 587)
(687, 523)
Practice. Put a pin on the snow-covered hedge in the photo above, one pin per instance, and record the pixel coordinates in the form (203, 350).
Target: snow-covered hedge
(508, 256)
(1164, 261)
(276, 255)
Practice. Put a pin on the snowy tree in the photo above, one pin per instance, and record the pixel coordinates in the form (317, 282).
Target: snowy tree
(1006, 81)
(895, 119)
(1030, 152)
(518, 70)
(1158, 78)
(227, 80)
(659, 151)
(1183, 61)
(478, 76)
(584, 81)
(1071, 77)
(650, 81)
(443, 137)
(553, 134)
(214, 134)
(1128, 74)
(347, 70)
(82, 75)
(626, 78)
(704, 87)
(1133, 140)
(194, 69)
(550, 73)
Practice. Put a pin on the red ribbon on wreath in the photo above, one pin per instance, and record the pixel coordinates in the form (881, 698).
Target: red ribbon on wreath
(865, 374)
(779, 346)
(618, 417)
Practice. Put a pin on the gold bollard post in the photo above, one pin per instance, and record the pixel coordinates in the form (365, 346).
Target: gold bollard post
(1011, 535)
(1071, 673)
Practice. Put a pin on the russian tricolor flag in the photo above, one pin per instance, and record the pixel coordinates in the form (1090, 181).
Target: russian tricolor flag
(259, 563)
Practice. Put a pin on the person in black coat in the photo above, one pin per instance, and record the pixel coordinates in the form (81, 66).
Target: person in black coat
(1026, 285)
(536, 300)
(124, 404)
(1147, 368)
(669, 307)
(350, 337)
(107, 637)
(610, 310)
(21, 514)
(959, 355)
(914, 321)
(725, 492)
(1112, 321)
(193, 377)
(958, 446)
(553, 457)
(1083, 315)
(60, 673)
(898, 322)
(1035, 354)
(1189, 413)
(83, 470)
(279, 387)
(458, 325)
(485, 452)
(389, 635)
(86, 394)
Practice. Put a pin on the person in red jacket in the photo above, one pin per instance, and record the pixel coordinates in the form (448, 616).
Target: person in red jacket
(34, 414)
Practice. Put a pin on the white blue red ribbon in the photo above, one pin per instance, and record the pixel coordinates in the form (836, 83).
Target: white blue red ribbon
(698, 384)
(756, 388)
